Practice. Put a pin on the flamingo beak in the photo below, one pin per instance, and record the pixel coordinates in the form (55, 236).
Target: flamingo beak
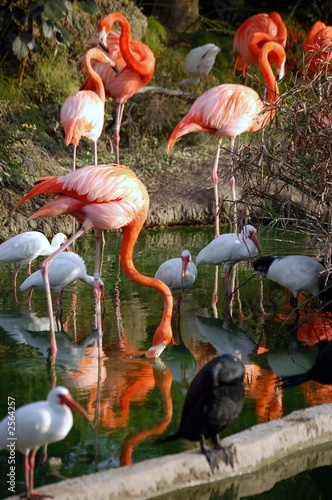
(281, 73)
(156, 350)
(255, 241)
(103, 39)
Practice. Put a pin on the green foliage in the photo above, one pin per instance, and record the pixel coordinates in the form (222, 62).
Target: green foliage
(27, 26)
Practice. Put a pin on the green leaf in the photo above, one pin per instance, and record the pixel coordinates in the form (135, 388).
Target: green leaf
(62, 35)
(47, 28)
(55, 12)
(35, 9)
(88, 6)
(20, 47)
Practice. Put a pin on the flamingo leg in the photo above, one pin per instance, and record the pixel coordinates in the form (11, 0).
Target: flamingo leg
(97, 293)
(16, 273)
(214, 299)
(117, 127)
(74, 158)
(215, 185)
(95, 152)
(232, 184)
(44, 267)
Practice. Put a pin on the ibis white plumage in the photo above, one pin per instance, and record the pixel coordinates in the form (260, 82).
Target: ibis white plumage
(23, 248)
(198, 64)
(38, 424)
(178, 273)
(64, 269)
(295, 272)
(230, 248)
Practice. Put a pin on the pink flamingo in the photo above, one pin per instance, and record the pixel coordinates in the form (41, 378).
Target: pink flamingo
(317, 45)
(82, 113)
(231, 109)
(252, 34)
(103, 197)
(135, 61)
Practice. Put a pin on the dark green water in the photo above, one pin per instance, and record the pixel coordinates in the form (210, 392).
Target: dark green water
(140, 400)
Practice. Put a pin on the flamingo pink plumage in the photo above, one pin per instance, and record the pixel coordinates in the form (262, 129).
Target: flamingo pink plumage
(231, 109)
(317, 46)
(82, 113)
(103, 197)
(135, 61)
(251, 36)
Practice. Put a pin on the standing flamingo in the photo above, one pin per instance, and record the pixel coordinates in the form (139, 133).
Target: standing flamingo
(135, 61)
(198, 63)
(252, 34)
(82, 113)
(103, 197)
(178, 273)
(25, 247)
(38, 424)
(231, 109)
(317, 45)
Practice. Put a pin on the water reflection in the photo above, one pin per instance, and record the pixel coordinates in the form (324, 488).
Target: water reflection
(135, 400)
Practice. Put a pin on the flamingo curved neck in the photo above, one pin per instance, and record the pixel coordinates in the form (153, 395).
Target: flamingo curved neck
(130, 235)
(98, 83)
(131, 61)
(265, 67)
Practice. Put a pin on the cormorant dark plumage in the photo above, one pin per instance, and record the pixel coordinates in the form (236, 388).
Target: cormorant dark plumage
(214, 400)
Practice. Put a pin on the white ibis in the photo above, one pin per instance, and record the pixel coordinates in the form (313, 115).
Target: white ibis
(178, 273)
(63, 270)
(198, 64)
(37, 424)
(23, 248)
(230, 248)
(295, 272)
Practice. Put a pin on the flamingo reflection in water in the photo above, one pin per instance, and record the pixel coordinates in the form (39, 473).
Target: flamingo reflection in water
(123, 382)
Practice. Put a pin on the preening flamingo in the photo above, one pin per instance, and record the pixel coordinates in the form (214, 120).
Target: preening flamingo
(198, 64)
(295, 272)
(214, 400)
(135, 61)
(178, 273)
(317, 46)
(82, 113)
(38, 424)
(252, 34)
(64, 269)
(231, 109)
(25, 247)
(104, 197)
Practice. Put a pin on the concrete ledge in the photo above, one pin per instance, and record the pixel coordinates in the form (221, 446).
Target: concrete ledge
(253, 449)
